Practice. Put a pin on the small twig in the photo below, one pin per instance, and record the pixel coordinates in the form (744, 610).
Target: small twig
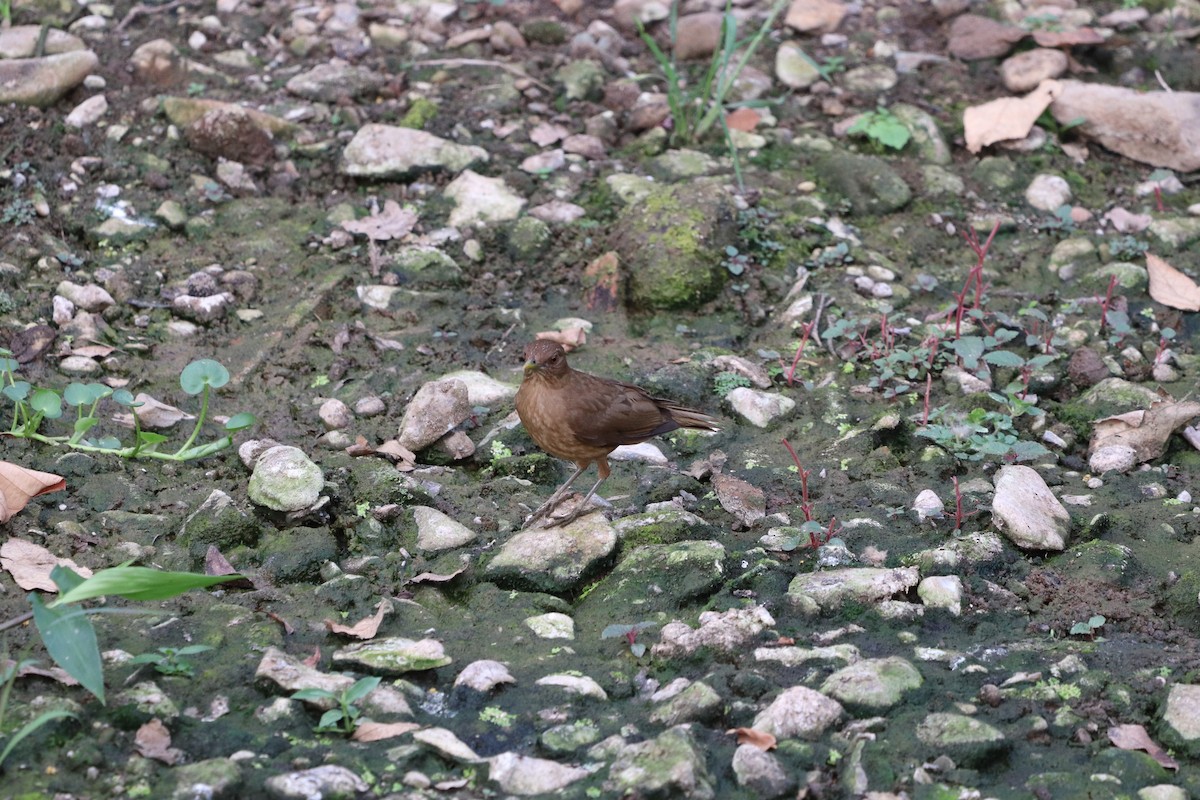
(15, 621)
(480, 62)
(144, 9)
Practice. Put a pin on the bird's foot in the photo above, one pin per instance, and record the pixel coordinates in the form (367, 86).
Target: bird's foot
(545, 517)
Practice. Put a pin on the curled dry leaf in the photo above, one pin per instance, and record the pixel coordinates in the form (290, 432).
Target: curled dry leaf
(569, 339)
(19, 485)
(377, 731)
(1008, 117)
(1171, 287)
(153, 740)
(760, 739)
(30, 565)
(743, 119)
(365, 628)
(1134, 737)
(393, 222)
(154, 414)
(1077, 36)
(1145, 431)
(434, 577)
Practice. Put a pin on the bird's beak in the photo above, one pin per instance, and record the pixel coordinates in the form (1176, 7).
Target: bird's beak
(530, 367)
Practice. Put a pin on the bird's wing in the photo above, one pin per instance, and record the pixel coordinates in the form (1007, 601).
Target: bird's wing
(607, 413)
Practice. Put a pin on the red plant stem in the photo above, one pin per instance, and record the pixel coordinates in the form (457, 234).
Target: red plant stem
(805, 506)
(1112, 284)
(807, 328)
(975, 276)
(1158, 199)
(958, 512)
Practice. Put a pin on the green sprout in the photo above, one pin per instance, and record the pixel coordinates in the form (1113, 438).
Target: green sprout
(170, 660)
(343, 718)
(33, 406)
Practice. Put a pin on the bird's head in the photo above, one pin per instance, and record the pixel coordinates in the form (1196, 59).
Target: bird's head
(545, 360)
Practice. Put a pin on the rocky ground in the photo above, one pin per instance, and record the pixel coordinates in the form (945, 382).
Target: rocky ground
(933, 267)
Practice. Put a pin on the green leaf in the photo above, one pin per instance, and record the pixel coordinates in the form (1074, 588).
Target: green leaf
(18, 391)
(616, 631)
(1004, 358)
(9, 364)
(201, 373)
(139, 583)
(330, 719)
(638, 649)
(76, 394)
(149, 438)
(1081, 629)
(361, 688)
(192, 649)
(240, 421)
(47, 402)
(969, 349)
(123, 397)
(1097, 620)
(29, 727)
(70, 640)
(84, 425)
(313, 694)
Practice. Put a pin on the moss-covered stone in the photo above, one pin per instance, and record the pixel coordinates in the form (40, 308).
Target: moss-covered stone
(528, 238)
(425, 266)
(582, 80)
(868, 183)
(419, 114)
(296, 555)
(671, 245)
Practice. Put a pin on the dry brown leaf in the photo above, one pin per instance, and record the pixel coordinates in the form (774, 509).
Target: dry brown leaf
(1008, 117)
(1171, 287)
(1134, 737)
(396, 451)
(1145, 431)
(30, 564)
(743, 119)
(760, 739)
(153, 740)
(314, 659)
(569, 339)
(377, 731)
(393, 222)
(27, 668)
(154, 414)
(365, 628)
(19, 485)
(93, 350)
(434, 577)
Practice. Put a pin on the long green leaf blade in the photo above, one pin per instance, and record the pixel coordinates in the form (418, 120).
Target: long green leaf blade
(139, 583)
(71, 641)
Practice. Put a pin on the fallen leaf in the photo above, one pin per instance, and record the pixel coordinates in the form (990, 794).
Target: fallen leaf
(153, 740)
(313, 659)
(1008, 117)
(1171, 287)
(393, 222)
(19, 485)
(377, 731)
(569, 339)
(602, 282)
(153, 414)
(93, 350)
(30, 564)
(1134, 737)
(762, 740)
(742, 119)
(365, 628)
(30, 344)
(215, 562)
(434, 577)
(396, 451)
(53, 673)
(1125, 221)
(1146, 431)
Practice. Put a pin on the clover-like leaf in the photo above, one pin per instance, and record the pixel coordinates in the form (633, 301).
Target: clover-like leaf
(18, 391)
(8, 364)
(77, 394)
(47, 402)
(201, 373)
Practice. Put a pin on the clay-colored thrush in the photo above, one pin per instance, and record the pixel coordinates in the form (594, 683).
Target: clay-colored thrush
(582, 418)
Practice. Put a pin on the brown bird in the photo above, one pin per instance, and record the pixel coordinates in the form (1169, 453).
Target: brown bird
(582, 418)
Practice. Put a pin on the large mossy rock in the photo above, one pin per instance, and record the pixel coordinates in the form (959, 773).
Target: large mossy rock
(671, 244)
(868, 183)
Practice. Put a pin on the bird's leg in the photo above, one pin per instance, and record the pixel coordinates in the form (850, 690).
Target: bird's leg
(580, 509)
(548, 506)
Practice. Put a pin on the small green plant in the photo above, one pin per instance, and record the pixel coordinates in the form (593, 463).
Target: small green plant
(33, 406)
(630, 634)
(726, 382)
(981, 434)
(1127, 248)
(697, 107)
(8, 679)
(170, 660)
(66, 629)
(882, 127)
(19, 211)
(344, 718)
(1089, 628)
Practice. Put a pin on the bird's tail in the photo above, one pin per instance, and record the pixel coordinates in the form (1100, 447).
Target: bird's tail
(691, 418)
